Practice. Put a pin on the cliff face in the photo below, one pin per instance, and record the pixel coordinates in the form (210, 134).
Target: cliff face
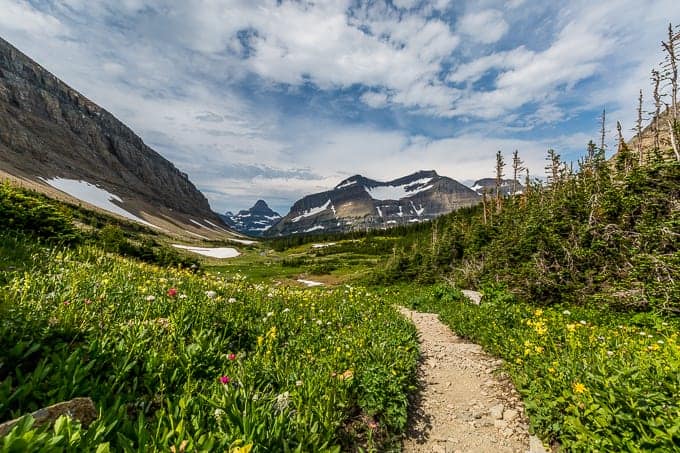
(48, 130)
(359, 203)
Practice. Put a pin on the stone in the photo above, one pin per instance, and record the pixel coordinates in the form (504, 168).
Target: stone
(510, 414)
(496, 412)
(81, 409)
(536, 446)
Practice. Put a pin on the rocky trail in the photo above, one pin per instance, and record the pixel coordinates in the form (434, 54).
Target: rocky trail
(465, 404)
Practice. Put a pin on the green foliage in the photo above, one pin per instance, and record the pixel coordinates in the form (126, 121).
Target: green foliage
(25, 211)
(591, 379)
(312, 370)
(590, 237)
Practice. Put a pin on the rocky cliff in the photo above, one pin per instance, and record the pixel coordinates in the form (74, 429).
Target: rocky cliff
(360, 203)
(254, 221)
(489, 184)
(49, 130)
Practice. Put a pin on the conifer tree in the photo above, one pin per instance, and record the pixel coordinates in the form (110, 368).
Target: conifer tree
(638, 132)
(517, 168)
(553, 168)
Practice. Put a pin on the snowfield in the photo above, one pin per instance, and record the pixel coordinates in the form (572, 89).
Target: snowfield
(215, 252)
(399, 192)
(96, 196)
(313, 211)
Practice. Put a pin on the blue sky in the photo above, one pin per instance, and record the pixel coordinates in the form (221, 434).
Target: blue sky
(278, 99)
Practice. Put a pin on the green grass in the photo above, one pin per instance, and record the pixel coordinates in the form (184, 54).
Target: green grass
(591, 379)
(313, 370)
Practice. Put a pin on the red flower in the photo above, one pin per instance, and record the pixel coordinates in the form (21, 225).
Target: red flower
(87, 301)
(172, 292)
(225, 380)
(232, 356)
(66, 302)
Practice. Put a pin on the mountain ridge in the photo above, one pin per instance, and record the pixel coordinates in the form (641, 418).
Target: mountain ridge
(49, 131)
(359, 203)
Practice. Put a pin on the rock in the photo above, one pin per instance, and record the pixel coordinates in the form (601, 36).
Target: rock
(510, 414)
(496, 412)
(81, 409)
(535, 445)
(474, 296)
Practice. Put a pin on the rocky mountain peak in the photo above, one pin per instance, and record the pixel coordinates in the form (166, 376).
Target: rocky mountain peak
(254, 221)
(359, 203)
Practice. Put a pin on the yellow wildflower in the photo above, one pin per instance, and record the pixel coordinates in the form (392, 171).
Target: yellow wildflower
(578, 387)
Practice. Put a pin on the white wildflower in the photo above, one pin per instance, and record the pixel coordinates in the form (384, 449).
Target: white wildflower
(150, 298)
(566, 312)
(210, 294)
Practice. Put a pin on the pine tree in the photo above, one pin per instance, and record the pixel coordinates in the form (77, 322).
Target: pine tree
(517, 168)
(553, 168)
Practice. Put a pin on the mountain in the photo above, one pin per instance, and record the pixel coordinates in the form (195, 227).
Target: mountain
(57, 141)
(490, 185)
(360, 203)
(254, 221)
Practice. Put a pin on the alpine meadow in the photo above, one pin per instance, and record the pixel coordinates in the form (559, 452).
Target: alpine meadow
(534, 306)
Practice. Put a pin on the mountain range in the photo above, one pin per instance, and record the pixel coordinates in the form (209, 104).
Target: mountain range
(360, 203)
(254, 221)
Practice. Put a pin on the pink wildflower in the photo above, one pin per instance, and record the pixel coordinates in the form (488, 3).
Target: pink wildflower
(225, 380)
(172, 292)
(232, 356)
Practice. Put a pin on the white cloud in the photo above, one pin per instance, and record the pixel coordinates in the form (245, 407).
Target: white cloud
(22, 17)
(487, 26)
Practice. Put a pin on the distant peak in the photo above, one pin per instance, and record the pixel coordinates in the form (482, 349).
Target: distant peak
(260, 204)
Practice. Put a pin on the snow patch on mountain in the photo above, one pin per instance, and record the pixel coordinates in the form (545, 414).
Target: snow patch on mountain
(314, 211)
(398, 192)
(95, 196)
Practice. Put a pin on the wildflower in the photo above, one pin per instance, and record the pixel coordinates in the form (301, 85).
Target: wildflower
(260, 340)
(566, 312)
(218, 414)
(210, 294)
(286, 310)
(571, 327)
(538, 349)
(182, 296)
(282, 401)
(298, 383)
(654, 347)
(319, 322)
(610, 353)
(172, 292)
(66, 302)
(231, 356)
(538, 313)
(224, 380)
(643, 334)
(578, 387)
(87, 301)
(231, 300)
(583, 323)
(373, 425)
(660, 341)
(150, 298)
(551, 370)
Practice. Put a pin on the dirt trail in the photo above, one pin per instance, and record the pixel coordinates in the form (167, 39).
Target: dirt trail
(464, 405)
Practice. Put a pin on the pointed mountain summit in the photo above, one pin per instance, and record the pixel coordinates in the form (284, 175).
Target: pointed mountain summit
(360, 203)
(254, 221)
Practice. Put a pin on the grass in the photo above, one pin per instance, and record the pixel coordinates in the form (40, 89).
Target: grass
(591, 379)
(311, 370)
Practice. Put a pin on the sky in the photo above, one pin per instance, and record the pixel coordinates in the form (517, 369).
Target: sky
(276, 99)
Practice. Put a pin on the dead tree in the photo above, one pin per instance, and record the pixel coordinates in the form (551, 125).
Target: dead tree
(602, 130)
(517, 168)
(623, 158)
(638, 131)
(671, 74)
(656, 78)
(500, 165)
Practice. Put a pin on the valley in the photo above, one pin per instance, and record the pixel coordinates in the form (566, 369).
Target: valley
(365, 302)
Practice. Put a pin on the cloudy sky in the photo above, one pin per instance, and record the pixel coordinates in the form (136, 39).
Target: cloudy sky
(277, 99)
